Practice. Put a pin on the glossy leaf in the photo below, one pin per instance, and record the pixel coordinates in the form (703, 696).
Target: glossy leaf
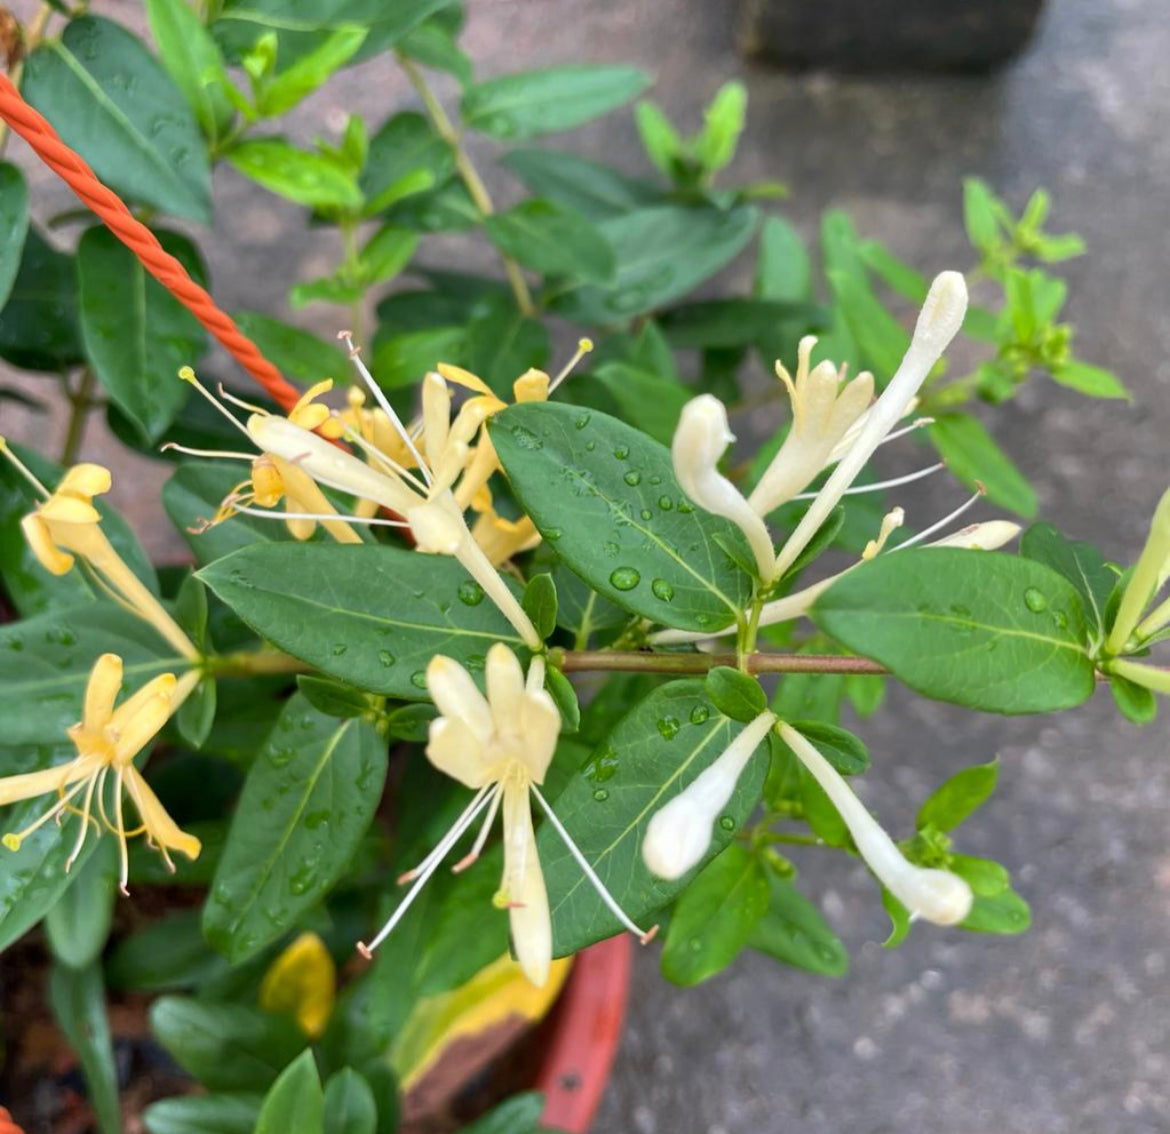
(306, 178)
(650, 755)
(349, 1104)
(846, 752)
(990, 631)
(193, 61)
(1079, 562)
(955, 800)
(45, 663)
(406, 156)
(793, 931)
(519, 1115)
(972, 455)
(552, 239)
(1004, 914)
(715, 917)
(1090, 380)
(543, 102)
(645, 400)
(39, 327)
(291, 85)
(78, 999)
(306, 804)
(204, 1114)
(502, 343)
(295, 1101)
(662, 253)
(605, 496)
(137, 335)
(299, 354)
(595, 191)
(110, 100)
(540, 603)
(78, 924)
(163, 956)
(227, 1047)
(13, 225)
(389, 610)
(735, 694)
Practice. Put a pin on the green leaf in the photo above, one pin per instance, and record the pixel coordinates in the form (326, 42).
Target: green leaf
(1005, 914)
(724, 121)
(79, 923)
(908, 282)
(715, 916)
(882, 339)
(544, 102)
(735, 694)
(227, 1047)
(193, 61)
(502, 343)
(349, 1104)
(307, 802)
(401, 360)
(1079, 562)
(985, 877)
(310, 71)
(164, 955)
(45, 663)
(650, 755)
(783, 268)
(299, 354)
(956, 799)
(605, 495)
(972, 456)
(980, 215)
(645, 400)
(561, 690)
(136, 333)
(433, 44)
(295, 1101)
(1135, 702)
(308, 179)
(110, 100)
(540, 603)
(385, 254)
(552, 239)
(793, 931)
(406, 156)
(196, 715)
(662, 253)
(78, 999)
(724, 322)
(13, 225)
(660, 139)
(594, 190)
(39, 328)
(204, 1114)
(334, 698)
(519, 1115)
(990, 631)
(1090, 380)
(389, 610)
(846, 752)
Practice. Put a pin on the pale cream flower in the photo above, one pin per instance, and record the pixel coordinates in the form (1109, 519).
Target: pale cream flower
(1149, 577)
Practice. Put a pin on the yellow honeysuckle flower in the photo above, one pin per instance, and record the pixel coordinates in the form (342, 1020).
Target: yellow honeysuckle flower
(67, 526)
(500, 538)
(302, 981)
(500, 746)
(107, 740)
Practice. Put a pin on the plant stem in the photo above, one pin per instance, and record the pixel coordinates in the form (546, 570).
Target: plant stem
(32, 37)
(475, 186)
(252, 663)
(582, 661)
(81, 401)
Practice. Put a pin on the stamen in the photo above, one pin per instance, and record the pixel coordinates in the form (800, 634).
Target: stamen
(83, 826)
(449, 840)
(123, 849)
(584, 346)
(22, 468)
(484, 831)
(373, 451)
(645, 936)
(188, 375)
(268, 514)
(174, 446)
(230, 397)
(12, 842)
(380, 398)
(437, 851)
(861, 489)
(946, 521)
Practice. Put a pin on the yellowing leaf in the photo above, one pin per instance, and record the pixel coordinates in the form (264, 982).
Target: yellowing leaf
(302, 982)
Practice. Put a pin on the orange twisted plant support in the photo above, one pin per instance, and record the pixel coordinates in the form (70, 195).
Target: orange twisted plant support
(70, 167)
(7, 1126)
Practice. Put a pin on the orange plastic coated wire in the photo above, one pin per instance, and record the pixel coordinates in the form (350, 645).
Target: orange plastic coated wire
(7, 1126)
(108, 206)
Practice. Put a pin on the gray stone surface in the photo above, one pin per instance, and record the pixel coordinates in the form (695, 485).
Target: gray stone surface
(1068, 1028)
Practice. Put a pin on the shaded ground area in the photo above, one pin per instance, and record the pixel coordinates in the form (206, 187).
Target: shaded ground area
(1068, 1028)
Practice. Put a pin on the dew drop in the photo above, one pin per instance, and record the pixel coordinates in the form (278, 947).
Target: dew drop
(610, 547)
(727, 823)
(419, 679)
(668, 727)
(646, 514)
(582, 421)
(699, 714)
(386, 658)
(553, 534)
(622, 452)
(470, 593)
(600, 795)
(625, 578)
(685, 507)
(633, 478)
(526, 439)
(661, 589)
(1061, 619)
(590, 446)
(339, 649)
(1035, 601)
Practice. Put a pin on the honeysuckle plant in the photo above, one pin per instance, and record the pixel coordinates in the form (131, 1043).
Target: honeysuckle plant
(447, 585)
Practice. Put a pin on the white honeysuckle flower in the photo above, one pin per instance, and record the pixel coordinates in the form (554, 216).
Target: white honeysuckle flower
(500, 746)
(987, 536)
(679, 834)
(937, 896)
(824, 408)
(1149, 576)
(939, 321)
(424, 500)
(699, 442)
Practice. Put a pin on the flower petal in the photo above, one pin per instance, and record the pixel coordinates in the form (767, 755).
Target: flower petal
(101, 691)
(45, 551)
(505, 688)
(524, 882)
(159, 825)
(456, 752)
(458, 697)
(29, 785)
(86, 480)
